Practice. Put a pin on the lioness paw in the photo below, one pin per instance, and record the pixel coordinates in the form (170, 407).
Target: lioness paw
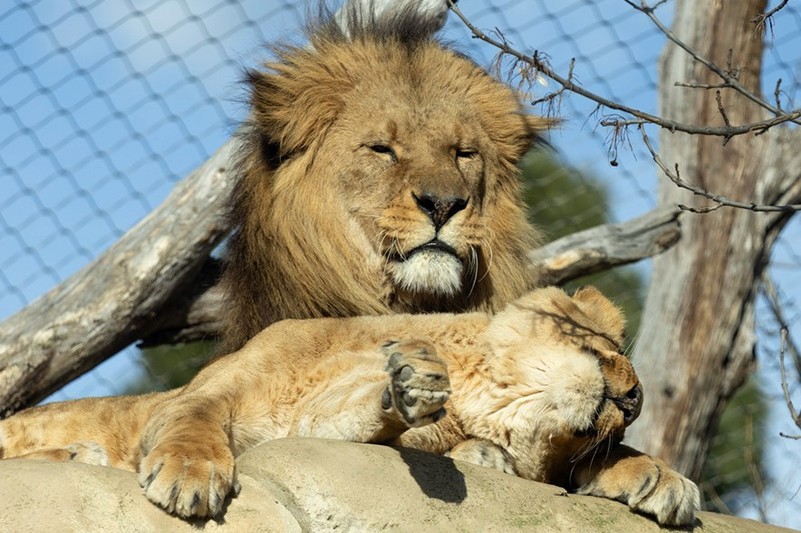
(650, 488)
(674, 500)
(483, 453)
(418, 383)
(88, 452)
(189, 480)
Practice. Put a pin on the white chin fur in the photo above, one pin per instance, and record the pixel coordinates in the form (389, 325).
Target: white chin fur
(429, 271)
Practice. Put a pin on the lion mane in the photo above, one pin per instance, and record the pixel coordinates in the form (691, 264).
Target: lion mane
(377, 175)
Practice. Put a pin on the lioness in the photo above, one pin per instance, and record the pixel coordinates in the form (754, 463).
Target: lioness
(377, 175)
(539, 390)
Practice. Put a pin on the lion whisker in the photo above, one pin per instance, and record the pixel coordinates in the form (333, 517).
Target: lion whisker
(486, 244)
(472, 268)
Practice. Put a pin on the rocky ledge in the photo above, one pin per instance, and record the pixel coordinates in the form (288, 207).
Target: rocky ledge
(317, 485)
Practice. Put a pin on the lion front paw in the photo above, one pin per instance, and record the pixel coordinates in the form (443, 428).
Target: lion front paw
(189, 480)
(650, 487)
(418, 382)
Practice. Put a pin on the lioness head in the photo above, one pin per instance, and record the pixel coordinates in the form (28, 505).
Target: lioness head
(377, 175)
(564, 386)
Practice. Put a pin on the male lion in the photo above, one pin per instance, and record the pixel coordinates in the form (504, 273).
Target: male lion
(377, 175)
(540, 390)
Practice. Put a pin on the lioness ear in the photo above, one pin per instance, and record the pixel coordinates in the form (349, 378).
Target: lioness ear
(603, 312)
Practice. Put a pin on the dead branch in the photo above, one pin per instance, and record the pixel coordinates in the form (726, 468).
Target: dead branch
(196, 314)
(539, 67)
(760, 20)
(607, 246)
(729, 76)
(720, 200)
(795, 415)
(113, 301)
(772, 295)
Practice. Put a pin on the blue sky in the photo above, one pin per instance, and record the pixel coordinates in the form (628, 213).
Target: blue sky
(104, 105)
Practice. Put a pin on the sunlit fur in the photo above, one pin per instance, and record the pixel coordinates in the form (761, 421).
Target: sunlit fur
(539, 390)
(345, 133)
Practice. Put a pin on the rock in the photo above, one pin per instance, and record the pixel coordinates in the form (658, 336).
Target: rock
(319, 485)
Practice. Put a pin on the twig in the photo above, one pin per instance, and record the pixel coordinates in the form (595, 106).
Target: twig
(701, 85)
(773, 300)
(772, 295)
(759, 20)
(720, 200)
(542, 67)
(795, 415)
(729, 77)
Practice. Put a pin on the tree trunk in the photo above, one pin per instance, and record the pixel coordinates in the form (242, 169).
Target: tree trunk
(697, 340)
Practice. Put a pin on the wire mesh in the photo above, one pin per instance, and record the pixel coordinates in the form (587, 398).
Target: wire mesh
(105, 105)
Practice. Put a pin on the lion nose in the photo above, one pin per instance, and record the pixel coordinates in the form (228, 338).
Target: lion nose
(439, 210)
(631, 404)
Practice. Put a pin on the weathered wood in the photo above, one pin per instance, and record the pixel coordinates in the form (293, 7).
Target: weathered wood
(112, 302)
(607, 246)
(696, 343)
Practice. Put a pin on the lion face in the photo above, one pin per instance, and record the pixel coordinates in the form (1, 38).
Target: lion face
(414, 183)
(378, 175)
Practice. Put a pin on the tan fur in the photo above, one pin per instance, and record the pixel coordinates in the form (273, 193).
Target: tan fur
(347, 139)
(539, 390)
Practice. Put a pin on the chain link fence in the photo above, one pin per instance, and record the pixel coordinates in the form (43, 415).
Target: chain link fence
(104, 106)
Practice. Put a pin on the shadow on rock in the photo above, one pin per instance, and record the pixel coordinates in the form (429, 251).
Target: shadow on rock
(437, 476)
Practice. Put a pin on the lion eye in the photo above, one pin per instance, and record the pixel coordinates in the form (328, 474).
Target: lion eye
(465, 153)
(383, 149)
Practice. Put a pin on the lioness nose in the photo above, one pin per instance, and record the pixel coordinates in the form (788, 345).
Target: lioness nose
(439, 210)
(631, 404)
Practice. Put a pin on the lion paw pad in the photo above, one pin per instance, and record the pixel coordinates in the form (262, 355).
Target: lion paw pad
(419, 385)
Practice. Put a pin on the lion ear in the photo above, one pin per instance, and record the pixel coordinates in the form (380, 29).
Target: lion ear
(537, 124)
(293, 102)
(533, 128)
(603, 312)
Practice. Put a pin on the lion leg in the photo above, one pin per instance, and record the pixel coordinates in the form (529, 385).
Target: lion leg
(99, 431)
(646, 484)
(377, 396)
(187, 464)
(90, 453)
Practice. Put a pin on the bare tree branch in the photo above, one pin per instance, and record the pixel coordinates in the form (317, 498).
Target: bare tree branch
(769, 288)
(760, 20)
(112, 302)
(720, 201)
(196, 315)
(607, 246)
(729, 77)
(157, 283)
(537, 67)
(795, 415)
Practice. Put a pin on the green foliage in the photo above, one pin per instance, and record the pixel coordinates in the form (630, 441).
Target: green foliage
(167, 367)
(562, 201)
(734, 473)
